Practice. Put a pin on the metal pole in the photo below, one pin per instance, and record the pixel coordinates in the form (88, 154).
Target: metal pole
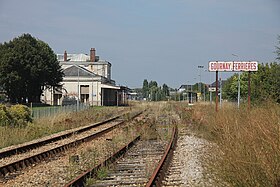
(97, 93)
(238, 96)
(191, 95)
(200, 82)
(204, 92)
(217, 91)
(188, 96)
(78, 89)
(249, 90)
(220, 92)
(200, 67)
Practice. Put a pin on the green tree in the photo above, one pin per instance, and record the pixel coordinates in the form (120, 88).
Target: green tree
(27, 65)
(165, 90)
(230, 87)
(278, 49)
(145, 89)
(266, 82)
(153, 84)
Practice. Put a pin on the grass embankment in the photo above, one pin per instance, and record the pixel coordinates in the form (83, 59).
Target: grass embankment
(46, 126)
(248, 142)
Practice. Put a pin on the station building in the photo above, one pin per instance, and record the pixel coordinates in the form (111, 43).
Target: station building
(87, 79)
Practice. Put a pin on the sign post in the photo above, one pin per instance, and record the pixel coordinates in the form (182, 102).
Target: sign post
(216, 91)
(249, 90)
(233, 66)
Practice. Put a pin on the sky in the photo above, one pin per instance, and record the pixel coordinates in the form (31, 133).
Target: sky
(160, 40)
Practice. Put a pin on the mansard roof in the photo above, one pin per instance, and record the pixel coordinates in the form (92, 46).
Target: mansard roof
(75, 71)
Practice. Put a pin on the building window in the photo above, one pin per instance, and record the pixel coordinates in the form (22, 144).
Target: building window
(84, 93)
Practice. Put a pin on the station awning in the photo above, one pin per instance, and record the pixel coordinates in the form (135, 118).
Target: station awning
(110, 86)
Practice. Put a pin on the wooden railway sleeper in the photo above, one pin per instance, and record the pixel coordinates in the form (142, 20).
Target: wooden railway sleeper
(3, 172)
(22, 164)
(11, 169)
(27, 162)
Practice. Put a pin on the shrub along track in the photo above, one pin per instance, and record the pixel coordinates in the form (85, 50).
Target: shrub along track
(43, 149)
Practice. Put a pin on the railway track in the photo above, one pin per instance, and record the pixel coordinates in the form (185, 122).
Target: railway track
(19, 157)
(144, 164)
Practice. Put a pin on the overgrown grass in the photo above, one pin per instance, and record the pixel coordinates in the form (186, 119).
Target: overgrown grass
(248, 142)
(46, 126)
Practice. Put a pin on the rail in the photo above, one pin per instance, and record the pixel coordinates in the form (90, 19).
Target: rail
(159, 172)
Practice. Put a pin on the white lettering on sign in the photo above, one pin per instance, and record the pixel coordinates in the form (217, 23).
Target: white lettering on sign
(233, 66)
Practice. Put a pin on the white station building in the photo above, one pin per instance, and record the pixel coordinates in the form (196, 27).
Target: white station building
(86, 79)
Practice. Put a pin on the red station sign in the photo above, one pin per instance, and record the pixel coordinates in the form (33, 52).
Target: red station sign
(233, 66)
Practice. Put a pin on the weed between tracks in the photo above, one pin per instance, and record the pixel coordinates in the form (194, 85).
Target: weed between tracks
(248, 142)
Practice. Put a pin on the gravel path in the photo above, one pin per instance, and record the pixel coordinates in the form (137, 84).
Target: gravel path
(186, 168)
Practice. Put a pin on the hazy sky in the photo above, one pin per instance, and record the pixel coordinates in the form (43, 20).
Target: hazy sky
(162, 40)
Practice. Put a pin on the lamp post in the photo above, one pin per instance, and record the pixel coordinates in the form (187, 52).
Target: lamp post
(188, 92)
(192, 91)
(200, 67)
(238, 94)
(191, 95)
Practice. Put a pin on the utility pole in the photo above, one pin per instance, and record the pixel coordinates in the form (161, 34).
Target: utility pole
(191, 93)
(220, 92)
(200, 67)
(238, 94)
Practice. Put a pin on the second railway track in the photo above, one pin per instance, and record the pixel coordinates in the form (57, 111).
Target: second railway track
(11, 161)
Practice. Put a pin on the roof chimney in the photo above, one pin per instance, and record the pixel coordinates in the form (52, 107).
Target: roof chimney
(92, 55)
(65, 56)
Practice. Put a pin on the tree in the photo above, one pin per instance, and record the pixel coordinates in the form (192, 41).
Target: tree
(165, 90)
(278, 49)
(153, 92)
(230, 87)
(153, 83)
(266, 82)
(27, 65)
(145, 89)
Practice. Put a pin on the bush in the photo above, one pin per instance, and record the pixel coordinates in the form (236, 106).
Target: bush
(5, 118)
(16, 115)
(20, 114)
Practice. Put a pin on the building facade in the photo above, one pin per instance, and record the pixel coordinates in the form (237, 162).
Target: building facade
(86, 80)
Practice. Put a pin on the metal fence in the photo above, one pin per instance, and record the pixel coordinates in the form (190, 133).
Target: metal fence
(55, 110)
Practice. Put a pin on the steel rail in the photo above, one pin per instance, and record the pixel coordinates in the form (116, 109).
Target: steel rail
(159, 172)
(21, 164)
